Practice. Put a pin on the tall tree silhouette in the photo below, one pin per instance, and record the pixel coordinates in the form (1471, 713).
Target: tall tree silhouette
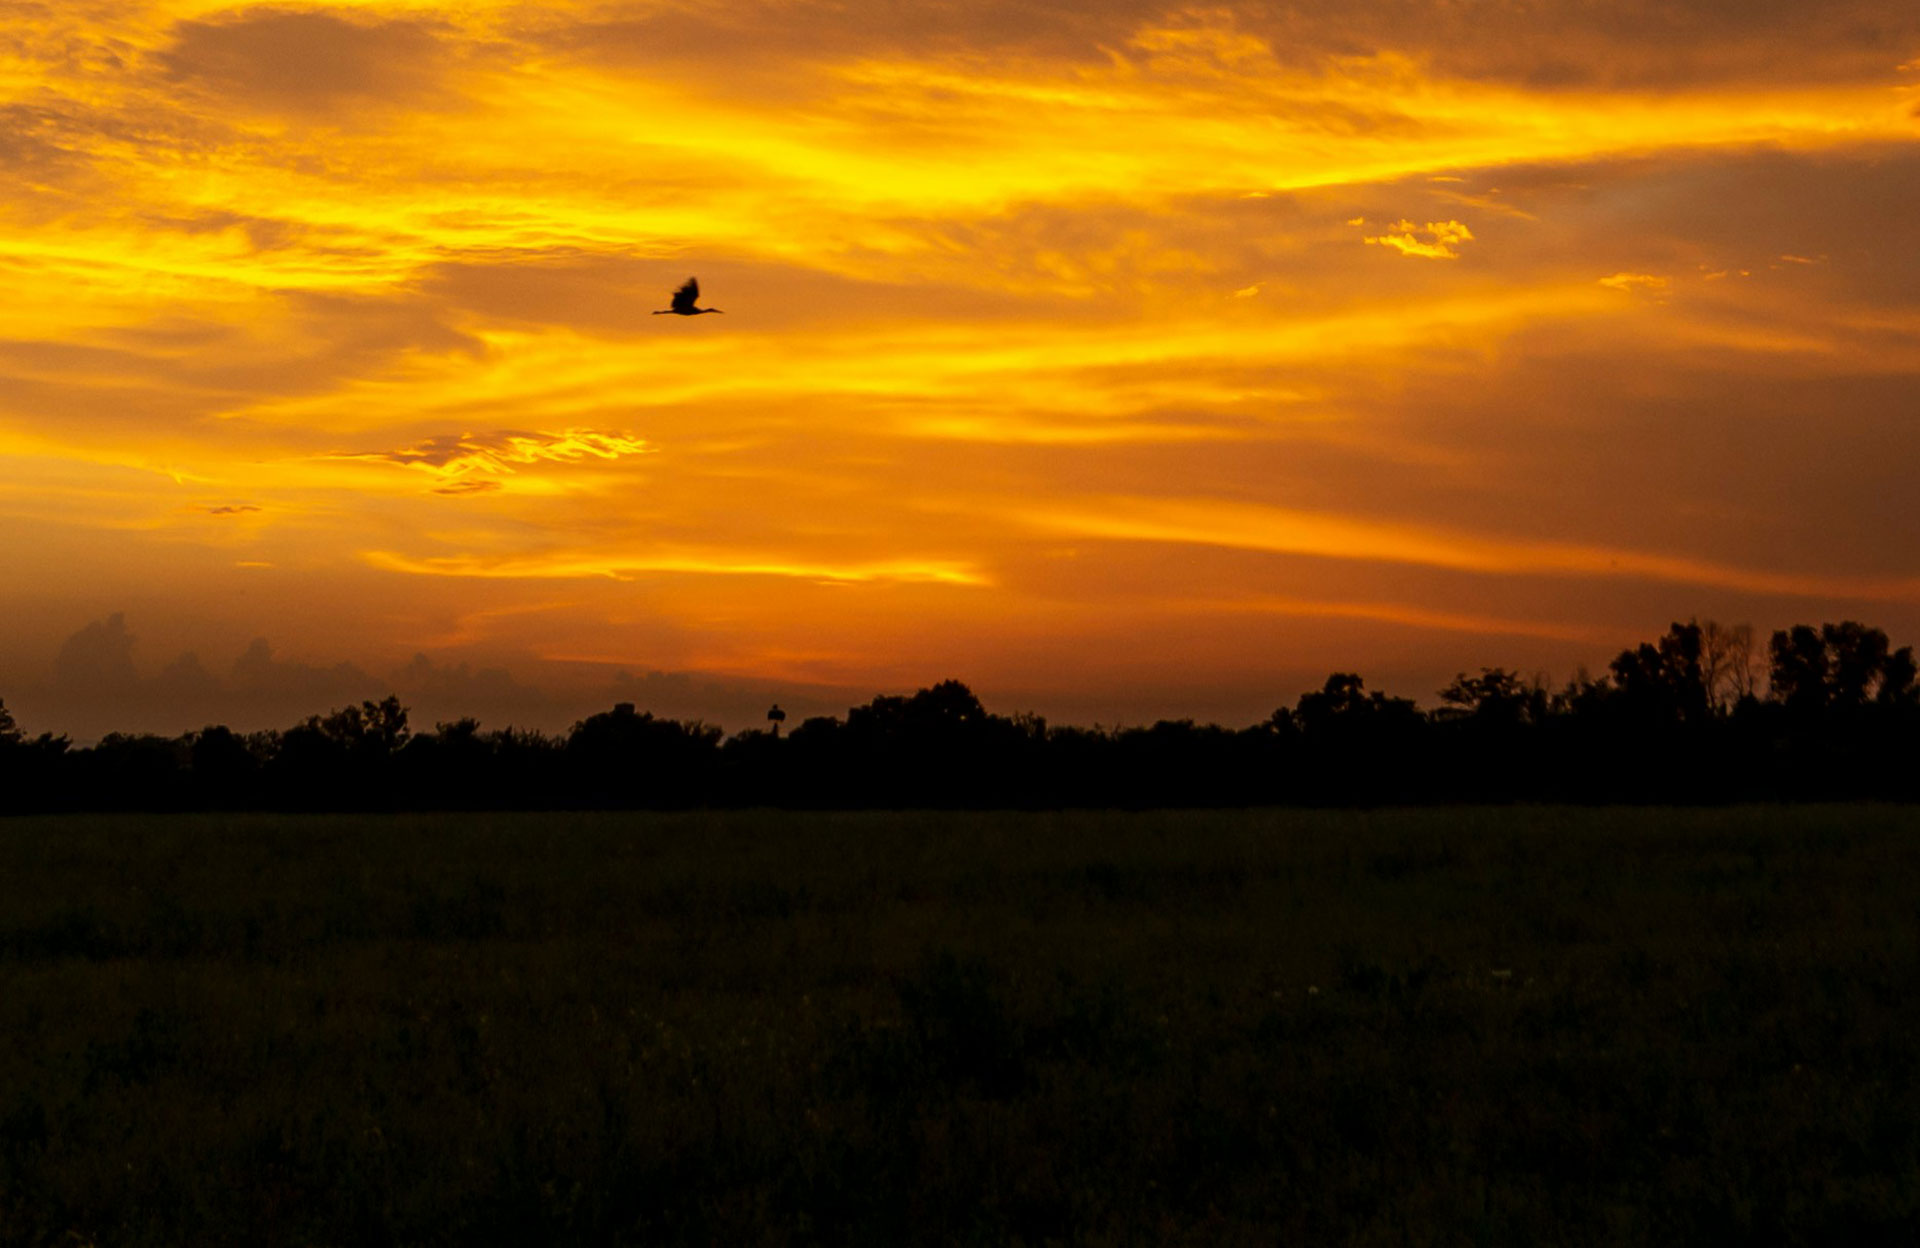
(1899, 679)
(1856, 659)
(1664, 683)
(1800, 670)
(1727, 663)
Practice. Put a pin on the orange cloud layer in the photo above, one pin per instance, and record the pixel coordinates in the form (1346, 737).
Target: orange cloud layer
(355, 301)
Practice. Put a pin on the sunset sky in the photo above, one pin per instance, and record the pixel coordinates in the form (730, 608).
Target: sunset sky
(1122, 360)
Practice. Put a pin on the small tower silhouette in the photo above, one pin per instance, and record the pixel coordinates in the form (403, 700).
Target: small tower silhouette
(776, 717)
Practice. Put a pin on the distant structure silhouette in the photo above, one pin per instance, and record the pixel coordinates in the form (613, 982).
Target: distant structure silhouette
(683, 301)
(776, 717)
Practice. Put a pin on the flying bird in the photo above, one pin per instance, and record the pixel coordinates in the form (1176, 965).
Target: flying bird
(684, 299)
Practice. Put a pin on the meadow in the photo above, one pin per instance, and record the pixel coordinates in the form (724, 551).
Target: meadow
(1444, 1025)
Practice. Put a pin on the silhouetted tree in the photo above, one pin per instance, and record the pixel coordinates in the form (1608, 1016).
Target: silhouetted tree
(625, 757)
(372, 728)
(1343, 706)
(1665, 682)
(225, 770)
(1727, 664)
(939, 742)
(36, 774)
(1356, 746)
(1800, 669)
(136, 771)
(1856, 659)
(817, 726)
(342, 758)
(1847, 703)
(9, 730)
(1486, 737)
(1497, 696)
(455, 762)
(1898, 677)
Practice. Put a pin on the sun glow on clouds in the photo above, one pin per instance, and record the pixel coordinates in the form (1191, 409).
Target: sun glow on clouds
(358, 296)
(1344, 537)
(467, 463)
(570, 565)
(1435, 240)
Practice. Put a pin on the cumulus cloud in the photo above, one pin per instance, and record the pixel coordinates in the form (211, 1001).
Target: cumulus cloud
(187, 680)
(98, 687)
(264, 679)
(97, 660)
(443, 691)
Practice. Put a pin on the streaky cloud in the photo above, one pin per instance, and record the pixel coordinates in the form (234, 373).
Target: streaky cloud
(578, 565)
(1254, 526)
(457, 457)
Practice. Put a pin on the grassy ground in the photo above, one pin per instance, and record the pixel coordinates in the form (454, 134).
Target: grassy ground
(1435, 1026)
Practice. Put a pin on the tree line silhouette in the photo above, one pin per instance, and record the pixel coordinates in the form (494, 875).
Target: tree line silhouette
(1685, 718)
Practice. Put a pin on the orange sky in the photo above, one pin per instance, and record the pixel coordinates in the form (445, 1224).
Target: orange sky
(1124, 363)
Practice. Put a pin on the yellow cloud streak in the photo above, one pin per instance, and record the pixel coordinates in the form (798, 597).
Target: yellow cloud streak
(1032, 130)
(627, 567)
(1404, 614)
(1037, 366)
(503, 454)
(1252, 526)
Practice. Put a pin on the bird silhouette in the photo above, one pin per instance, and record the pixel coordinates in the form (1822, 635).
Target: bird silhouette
(684, 299)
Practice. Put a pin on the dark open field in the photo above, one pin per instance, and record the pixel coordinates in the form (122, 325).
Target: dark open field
(1434, 1026)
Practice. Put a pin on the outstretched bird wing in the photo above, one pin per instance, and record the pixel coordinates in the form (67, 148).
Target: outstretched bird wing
(687, 296)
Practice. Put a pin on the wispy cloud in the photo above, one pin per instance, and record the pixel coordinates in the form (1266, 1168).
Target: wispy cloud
(467, 463)
(1408, 615)
(574, 565)
(1436, 240)
(1643, 283)
(1332, 535)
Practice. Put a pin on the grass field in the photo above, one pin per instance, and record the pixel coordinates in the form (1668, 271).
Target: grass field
(1433, 1026)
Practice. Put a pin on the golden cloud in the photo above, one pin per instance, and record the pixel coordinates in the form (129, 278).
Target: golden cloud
(466, 462)
(1435, 240)
(1286, 531)
(1646, 283)
(575, 565)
